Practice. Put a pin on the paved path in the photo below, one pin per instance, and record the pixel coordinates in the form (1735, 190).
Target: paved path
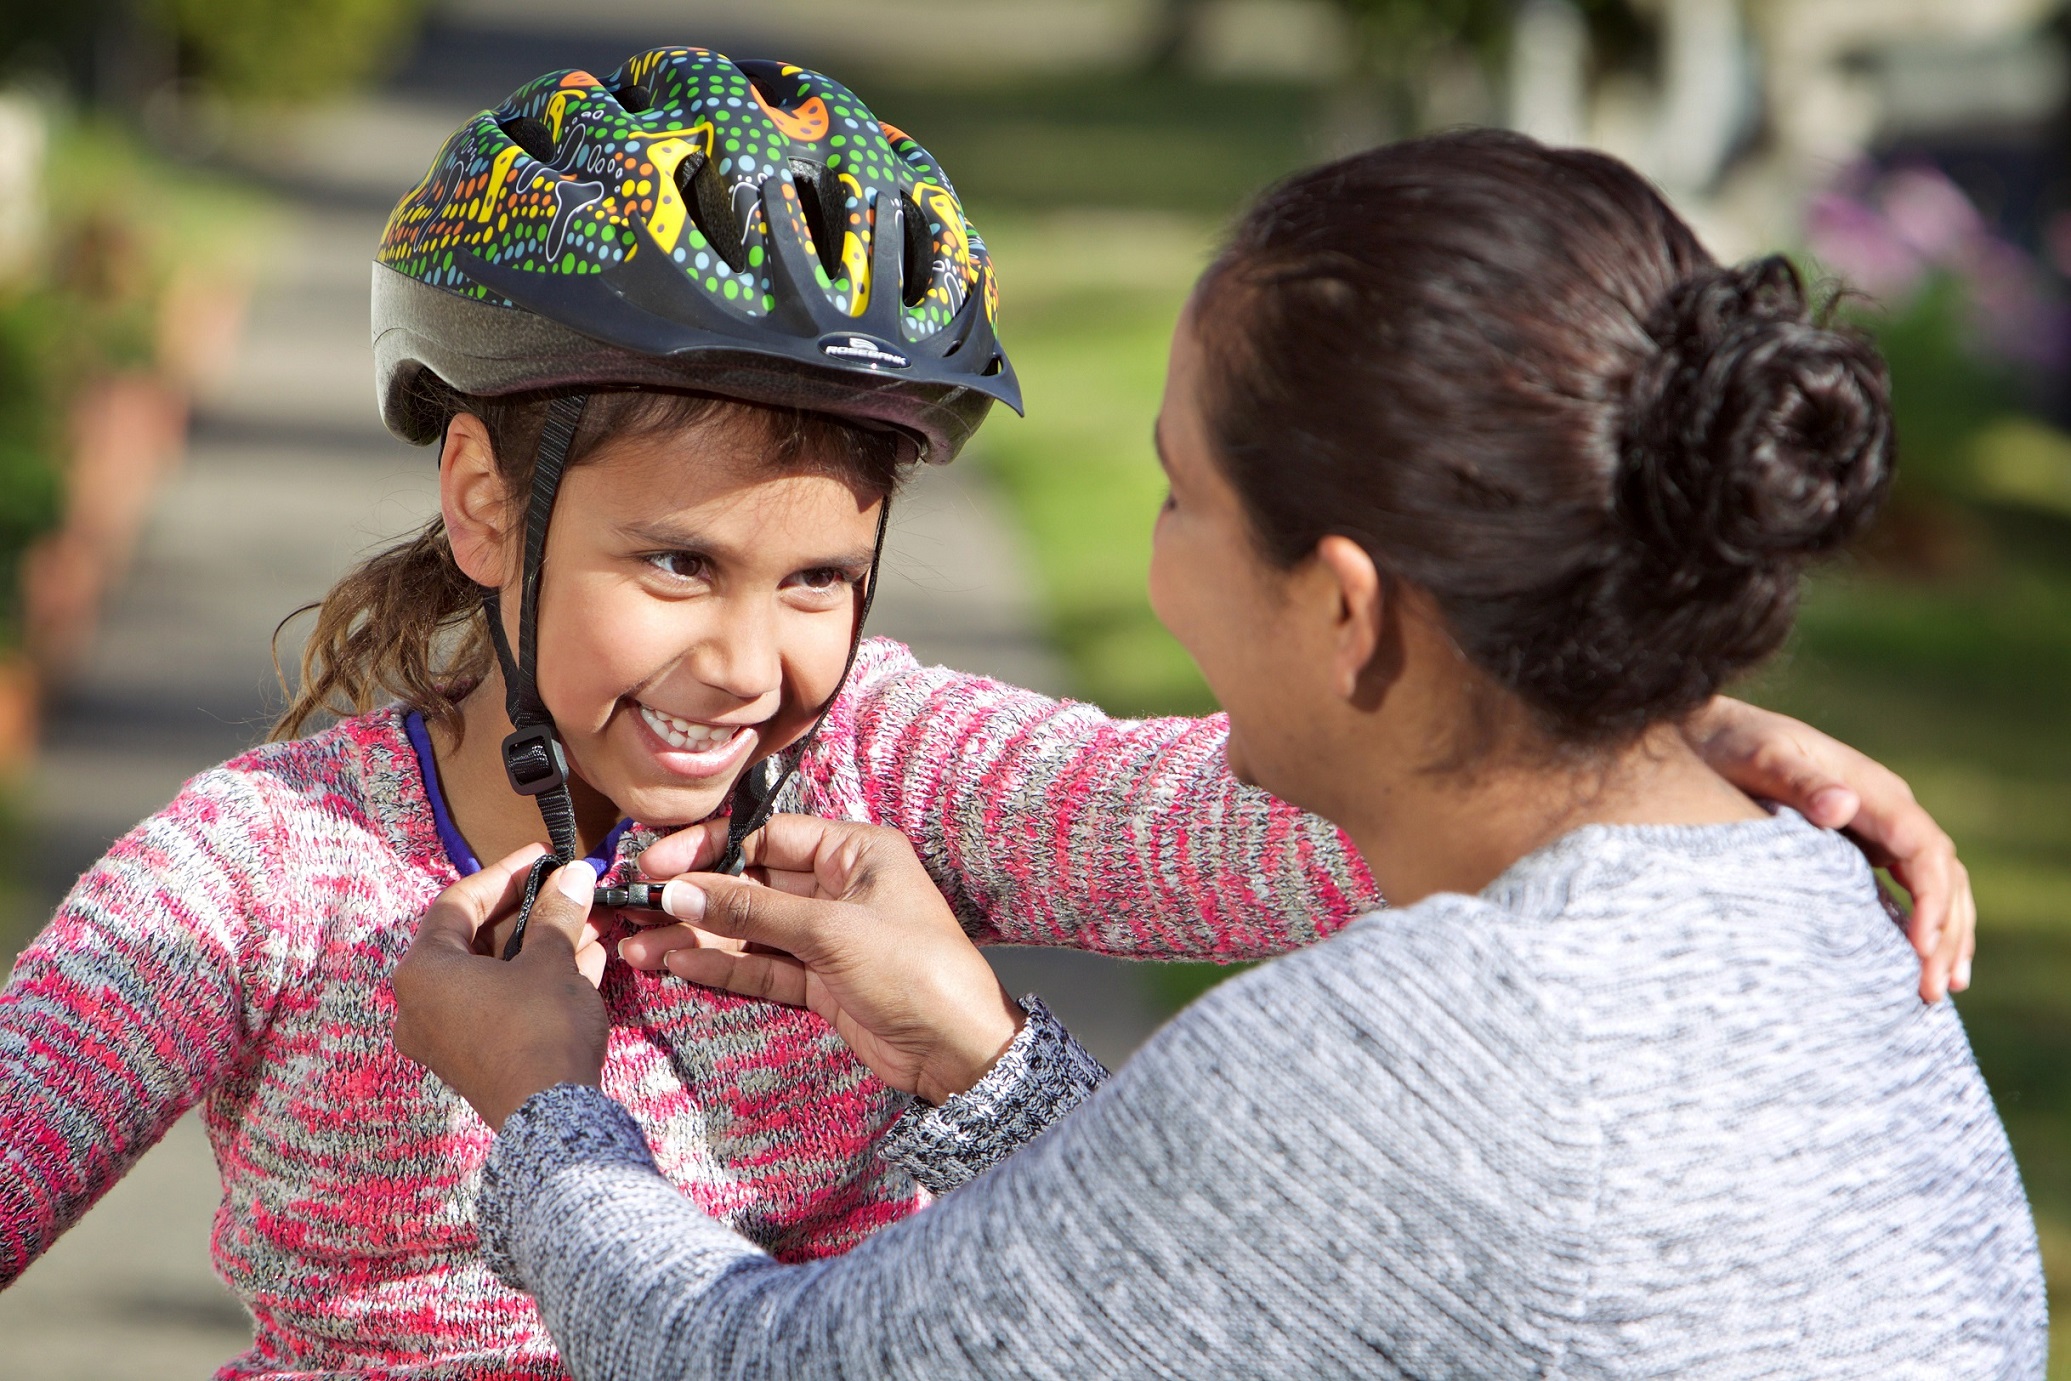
(289, 478)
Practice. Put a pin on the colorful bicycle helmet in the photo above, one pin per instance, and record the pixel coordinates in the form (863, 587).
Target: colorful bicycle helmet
(747, 229)
(742, 228)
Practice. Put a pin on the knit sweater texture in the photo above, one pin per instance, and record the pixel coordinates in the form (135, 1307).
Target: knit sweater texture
(235, 951)
(1661, 1102)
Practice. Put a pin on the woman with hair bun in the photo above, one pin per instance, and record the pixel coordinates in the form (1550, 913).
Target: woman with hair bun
(1484, 476)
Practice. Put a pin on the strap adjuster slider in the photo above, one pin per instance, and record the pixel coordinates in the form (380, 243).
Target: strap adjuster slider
(534, 760)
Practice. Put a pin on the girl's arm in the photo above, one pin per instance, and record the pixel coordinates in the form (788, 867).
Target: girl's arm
(1047, 822)
(134, 1001)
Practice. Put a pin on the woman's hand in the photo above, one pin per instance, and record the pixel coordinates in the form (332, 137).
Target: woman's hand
(1833, 786)
(497, 1032)
(846, 922)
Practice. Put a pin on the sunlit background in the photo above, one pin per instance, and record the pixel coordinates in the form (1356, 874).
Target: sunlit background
(190, 191)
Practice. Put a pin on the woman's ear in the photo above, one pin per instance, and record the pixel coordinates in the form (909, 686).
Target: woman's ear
(474, 504)
(1366, 652)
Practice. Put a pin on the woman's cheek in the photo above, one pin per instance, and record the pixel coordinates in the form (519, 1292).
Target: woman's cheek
(1160, 578)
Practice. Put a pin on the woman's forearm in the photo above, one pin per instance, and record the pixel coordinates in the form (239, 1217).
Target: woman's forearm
(1042, 1076)
(1217, 1207)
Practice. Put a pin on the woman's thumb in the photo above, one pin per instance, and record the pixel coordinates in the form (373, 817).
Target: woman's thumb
(744, 910)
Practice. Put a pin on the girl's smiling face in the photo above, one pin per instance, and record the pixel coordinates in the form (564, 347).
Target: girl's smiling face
(696, 608)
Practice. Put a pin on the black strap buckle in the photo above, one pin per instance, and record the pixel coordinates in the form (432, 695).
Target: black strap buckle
(534, 761)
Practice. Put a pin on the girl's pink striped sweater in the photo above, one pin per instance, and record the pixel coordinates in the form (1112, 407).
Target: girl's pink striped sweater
(234, 950)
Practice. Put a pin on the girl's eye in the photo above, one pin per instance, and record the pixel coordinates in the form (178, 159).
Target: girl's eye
(684, 565)
(823, 579)
(1169, 504)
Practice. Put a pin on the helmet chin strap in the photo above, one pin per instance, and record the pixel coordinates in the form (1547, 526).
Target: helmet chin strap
(533, 758)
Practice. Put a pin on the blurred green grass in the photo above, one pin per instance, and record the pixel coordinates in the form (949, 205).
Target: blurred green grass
(1959, 683)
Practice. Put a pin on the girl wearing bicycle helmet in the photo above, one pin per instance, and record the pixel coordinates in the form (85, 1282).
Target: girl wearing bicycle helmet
(675, 333)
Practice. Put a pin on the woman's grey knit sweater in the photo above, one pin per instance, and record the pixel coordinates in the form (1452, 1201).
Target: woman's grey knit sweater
(1660, 1102)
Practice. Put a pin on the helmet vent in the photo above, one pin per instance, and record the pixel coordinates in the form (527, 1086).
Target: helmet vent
(917, 265)
(532, 136)
(821, 197)
(635, 97)
(710, 203)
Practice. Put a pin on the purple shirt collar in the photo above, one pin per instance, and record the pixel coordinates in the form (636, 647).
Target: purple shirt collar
(457, 852)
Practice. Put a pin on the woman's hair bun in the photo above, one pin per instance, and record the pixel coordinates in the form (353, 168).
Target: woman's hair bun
(1757, 435)
(1514, 375)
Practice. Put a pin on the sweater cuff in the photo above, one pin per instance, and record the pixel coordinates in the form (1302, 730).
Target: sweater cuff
(555, 1130)
(1042, 1076)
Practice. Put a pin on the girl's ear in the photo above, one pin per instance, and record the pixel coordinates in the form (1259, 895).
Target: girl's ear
(1366, 643)
(474, 504)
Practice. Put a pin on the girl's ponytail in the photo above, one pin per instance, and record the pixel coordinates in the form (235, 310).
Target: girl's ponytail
(403, 625)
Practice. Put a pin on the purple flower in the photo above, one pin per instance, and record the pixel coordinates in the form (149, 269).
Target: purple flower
(1889, 233)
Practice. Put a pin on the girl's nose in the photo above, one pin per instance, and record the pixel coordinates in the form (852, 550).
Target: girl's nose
(741, 657)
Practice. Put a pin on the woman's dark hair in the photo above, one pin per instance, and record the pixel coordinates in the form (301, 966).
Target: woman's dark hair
(407, 624)
(1514, 376)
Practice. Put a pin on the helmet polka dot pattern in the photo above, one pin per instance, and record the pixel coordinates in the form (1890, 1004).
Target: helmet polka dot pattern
(682, 170)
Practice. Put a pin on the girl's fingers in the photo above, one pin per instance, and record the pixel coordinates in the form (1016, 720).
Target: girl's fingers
(1961, 981)
(646, 949)
(1942, 969)
(769, 977)
(1959, 937)
(590, 961)
(1939, 886)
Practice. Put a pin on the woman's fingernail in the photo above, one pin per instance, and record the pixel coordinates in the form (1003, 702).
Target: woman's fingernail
(578, 882)
(683, 901)
(1962, 975)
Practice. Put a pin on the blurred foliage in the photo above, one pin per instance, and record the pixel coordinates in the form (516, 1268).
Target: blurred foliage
(120, 225)
(288, 50)
(1944, 391)
(1088, 335)
(31, 439)
(1974, 331)
(1156, 140)
(1398, 45)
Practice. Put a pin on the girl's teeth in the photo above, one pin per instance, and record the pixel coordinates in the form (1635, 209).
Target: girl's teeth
(683, 733)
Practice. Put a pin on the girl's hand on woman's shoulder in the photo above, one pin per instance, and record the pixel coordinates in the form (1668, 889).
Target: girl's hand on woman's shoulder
(840, 918)
(1774, 756)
